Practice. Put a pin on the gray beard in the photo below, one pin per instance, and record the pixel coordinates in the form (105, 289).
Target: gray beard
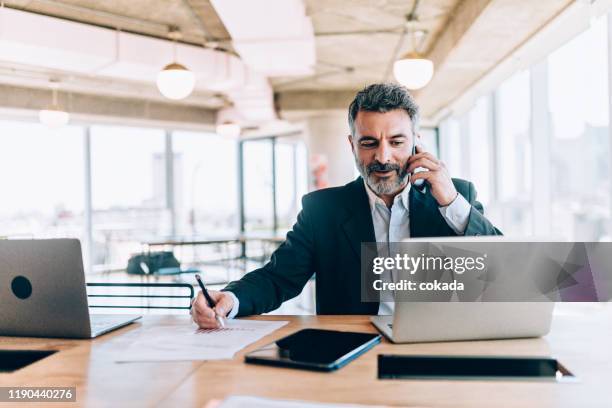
(379, 186)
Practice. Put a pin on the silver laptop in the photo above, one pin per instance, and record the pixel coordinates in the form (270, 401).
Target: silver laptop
(414, 322)
(43, 292)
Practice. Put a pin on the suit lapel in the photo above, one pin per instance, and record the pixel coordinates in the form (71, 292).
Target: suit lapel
(358, 226)
(425, 218)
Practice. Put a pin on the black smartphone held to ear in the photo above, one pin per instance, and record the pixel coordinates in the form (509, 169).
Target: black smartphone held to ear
(419, 184)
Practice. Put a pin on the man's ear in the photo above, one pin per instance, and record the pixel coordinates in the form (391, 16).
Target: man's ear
(350, 140)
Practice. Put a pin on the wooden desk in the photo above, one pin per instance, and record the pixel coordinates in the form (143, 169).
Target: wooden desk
(580, 341)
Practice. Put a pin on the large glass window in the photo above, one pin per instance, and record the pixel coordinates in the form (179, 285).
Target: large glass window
(514, 155)
(42, 181)
(291, 179)
(429, 139)
(580, 148)
(286, 182)
(258, 184)
(479, 154)
(205, 184)
(128, 192)
(450, 146)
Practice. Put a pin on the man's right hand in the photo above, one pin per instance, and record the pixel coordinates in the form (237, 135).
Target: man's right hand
(204, 316)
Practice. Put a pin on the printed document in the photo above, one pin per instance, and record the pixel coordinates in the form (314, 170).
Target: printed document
(190, 343)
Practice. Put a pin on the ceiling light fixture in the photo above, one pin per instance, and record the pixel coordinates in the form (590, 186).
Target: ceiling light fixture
(175, 81)
(413, 70)
(229, 129)
(53, 116)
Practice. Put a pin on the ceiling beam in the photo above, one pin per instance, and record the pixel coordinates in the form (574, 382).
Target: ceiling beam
(465, 14)
(20, 75)
(479, 35)
(105, 108)
(459, 21)
(209, 19)
(105, 19)
(306, 101)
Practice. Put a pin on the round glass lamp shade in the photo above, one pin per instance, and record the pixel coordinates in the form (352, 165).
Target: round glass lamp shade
(413, 72)
(53, 117)
(228, 129)
(175, 81)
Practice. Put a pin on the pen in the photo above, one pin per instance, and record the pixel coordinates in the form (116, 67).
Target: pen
(209, 299)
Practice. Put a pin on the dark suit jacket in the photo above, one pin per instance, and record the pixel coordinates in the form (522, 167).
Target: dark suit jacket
(326, 240)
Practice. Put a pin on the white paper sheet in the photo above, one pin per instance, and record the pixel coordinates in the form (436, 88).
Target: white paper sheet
(257, 402)
(190, 343)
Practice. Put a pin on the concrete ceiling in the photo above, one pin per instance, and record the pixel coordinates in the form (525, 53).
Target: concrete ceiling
(356, 40)
(150, 17)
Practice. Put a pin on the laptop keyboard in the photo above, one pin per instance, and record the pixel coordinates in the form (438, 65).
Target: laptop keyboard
(101, 322)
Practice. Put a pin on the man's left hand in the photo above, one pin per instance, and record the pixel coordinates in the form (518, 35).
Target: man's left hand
(442, 187)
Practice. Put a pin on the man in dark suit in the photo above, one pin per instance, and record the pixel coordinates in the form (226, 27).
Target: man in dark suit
(382, 205)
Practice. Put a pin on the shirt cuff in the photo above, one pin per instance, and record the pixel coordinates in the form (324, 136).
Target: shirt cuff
(234, 310)
(457, 214)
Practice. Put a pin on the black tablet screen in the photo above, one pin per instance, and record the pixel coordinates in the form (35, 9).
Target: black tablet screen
(418, 366)
(312, 346)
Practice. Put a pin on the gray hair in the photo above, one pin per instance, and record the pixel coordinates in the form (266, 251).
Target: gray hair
(383, 98)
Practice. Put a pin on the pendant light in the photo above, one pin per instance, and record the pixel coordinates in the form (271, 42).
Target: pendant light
(53, 116)
(175, 81)
(413, 70)
(229, 129)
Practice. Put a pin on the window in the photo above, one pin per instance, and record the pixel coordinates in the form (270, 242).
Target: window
(42, 181)
(205, 184)
(429, 139)
(258, 180)
(128, 192)
(450, 146)
(479, 148)
(291, 179)
(580, 148)
(262, 186)
(514, 155)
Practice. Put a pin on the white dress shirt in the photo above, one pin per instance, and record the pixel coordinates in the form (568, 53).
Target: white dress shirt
(393, 225)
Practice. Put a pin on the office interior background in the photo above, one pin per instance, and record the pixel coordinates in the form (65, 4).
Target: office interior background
(519, 103)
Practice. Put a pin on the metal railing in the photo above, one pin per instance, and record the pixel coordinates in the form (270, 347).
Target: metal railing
(188, 295)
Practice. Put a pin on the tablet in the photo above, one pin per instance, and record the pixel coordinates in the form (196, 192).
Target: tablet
(313, 349)
(471, 368)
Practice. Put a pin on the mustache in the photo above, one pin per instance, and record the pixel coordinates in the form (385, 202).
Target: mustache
(378, 166)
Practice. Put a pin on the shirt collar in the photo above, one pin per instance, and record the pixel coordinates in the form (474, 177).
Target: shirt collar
(373, 199)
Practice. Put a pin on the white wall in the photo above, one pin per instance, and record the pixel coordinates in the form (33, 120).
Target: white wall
(326, 134)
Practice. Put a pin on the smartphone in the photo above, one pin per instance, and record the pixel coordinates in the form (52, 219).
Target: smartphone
(420, 184)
